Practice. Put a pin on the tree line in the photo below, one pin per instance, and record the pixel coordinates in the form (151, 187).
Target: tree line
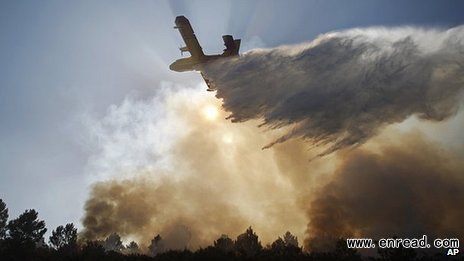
(23, 239)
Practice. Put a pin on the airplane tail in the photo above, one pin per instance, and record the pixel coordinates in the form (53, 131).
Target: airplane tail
(232, 45)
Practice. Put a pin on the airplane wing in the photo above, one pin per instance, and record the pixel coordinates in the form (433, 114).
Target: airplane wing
(189, 37)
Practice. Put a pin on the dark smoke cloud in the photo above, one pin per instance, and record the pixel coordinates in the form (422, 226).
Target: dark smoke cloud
(141, 208)
(407, 189)
(341, 88)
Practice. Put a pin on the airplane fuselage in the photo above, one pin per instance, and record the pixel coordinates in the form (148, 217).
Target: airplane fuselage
(191, 64)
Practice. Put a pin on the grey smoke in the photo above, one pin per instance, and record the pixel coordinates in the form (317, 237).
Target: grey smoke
(341, 88)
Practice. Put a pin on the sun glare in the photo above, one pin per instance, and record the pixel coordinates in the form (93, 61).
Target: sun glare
(210, 112)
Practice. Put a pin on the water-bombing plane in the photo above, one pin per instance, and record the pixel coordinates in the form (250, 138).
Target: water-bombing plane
(198, 59)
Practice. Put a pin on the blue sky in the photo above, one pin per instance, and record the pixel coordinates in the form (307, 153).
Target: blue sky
(60, 60)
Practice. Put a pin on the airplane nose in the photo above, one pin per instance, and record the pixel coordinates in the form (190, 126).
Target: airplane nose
(174, 67)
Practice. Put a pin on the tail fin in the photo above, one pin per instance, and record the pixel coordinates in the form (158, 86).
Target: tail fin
(232, 46)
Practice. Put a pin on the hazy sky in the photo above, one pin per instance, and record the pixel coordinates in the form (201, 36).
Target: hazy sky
(62, 61)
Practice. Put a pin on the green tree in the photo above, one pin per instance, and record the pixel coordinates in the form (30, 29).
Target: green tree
(3, 218)
(64, 237)
(27, 228)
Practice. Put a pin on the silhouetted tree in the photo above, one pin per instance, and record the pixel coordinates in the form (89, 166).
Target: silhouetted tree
(247, 244)
(27, 228)
(178, 255)
(22, 239)
(64, 237)
(284, 248)
(24, 236)
(278, 246)
(3, 219)
(132, 248)
(290, 240)
(214, 253)
(113, 243)
(400, 253)
(156, 246)
(93, 250)
(342, 252)
(224, 243)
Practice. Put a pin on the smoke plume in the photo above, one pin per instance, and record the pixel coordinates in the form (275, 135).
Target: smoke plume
(173, 166)
(213, 179)
(341, 88)
(407, 188)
